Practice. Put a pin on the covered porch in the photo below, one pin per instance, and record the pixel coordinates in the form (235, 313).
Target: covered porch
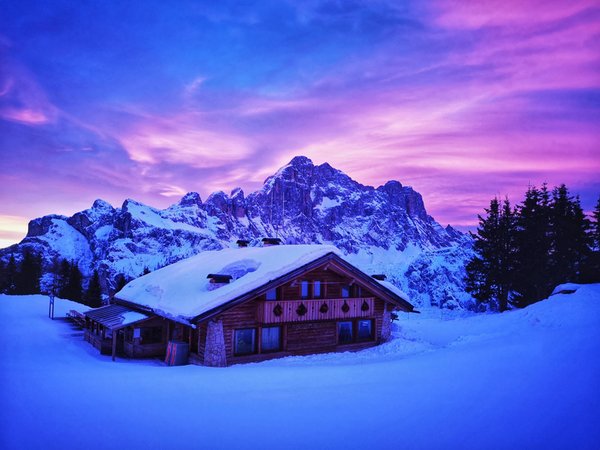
(111, 329)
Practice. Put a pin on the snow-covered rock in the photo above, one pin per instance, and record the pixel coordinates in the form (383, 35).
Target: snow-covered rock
(384, 230)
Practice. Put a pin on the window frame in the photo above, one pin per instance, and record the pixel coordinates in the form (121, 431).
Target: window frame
(273, 290)
(339, 327)
(355, 338)
(348, 289)
(372, 329)
(254, 341)
(279, 340)
(317, 284)
(304, 283)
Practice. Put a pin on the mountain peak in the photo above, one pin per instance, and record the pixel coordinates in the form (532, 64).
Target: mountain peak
(300, 161)
(237, 194)
(129, 202)
(102, 205)
(191, 199)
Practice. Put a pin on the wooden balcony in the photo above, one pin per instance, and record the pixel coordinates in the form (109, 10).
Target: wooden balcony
(280, 311)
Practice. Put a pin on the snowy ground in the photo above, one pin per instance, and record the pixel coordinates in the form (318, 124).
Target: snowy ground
(523, 379)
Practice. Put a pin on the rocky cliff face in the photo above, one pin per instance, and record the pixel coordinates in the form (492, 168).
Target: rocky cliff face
(385, 230)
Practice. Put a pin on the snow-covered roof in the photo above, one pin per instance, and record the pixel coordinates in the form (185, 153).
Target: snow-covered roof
(392, 287)
(115, 316)
(182, 289)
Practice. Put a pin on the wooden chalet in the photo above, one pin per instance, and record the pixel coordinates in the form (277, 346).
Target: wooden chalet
(249, 304)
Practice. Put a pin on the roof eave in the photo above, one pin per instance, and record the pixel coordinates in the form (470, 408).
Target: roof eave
(146, 309)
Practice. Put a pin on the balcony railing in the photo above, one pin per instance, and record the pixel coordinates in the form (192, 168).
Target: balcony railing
(279, 311)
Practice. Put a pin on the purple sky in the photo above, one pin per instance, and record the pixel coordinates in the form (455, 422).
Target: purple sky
(462, 100)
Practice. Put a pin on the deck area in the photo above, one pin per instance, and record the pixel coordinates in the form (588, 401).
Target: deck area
(283, 311)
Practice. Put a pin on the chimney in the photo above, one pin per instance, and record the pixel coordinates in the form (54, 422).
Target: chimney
(379, 276)
(268, 241)
(217, 280)
(241, 243)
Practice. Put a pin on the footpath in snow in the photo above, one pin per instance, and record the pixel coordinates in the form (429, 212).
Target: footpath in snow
(522, 379)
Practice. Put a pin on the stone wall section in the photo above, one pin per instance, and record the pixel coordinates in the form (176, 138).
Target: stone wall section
(386, 326)
(214, 354)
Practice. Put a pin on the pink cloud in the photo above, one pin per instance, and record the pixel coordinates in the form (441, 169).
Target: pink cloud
(478, 13)
(184, 138)
(21, 98)
(27, 116)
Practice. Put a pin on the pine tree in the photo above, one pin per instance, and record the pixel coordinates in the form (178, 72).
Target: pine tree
(595, 227)
(61, 281)
(93, 294)
(56, 282)
(28, 279)
(12, 273)
(506, 255)
(2, 277)
(74, 289)
(590, 270)
(569, 238)
(120, 282)
(533, 245)
(70, 281)
(489, 274)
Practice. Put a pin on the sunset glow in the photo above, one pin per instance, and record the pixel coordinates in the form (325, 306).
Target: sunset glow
(461, 100)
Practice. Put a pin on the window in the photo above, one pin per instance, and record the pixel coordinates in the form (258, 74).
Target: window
(345, 291)
(304, 289)
(345, 332)
(355, 331)
(316, 289)
(244, 341)
(272, 294)
(357, 291)
(364, 330)
(270, 339)
(150, 335)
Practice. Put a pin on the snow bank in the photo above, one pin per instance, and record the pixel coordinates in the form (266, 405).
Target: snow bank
(567, 288)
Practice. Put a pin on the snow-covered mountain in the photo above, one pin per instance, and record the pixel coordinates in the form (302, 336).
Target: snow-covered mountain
(381, 230)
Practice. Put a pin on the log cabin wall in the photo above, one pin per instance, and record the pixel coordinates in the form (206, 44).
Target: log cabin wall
(303, 337)
(242, 316)
(134, 346)
(311, 337)
(331, 286)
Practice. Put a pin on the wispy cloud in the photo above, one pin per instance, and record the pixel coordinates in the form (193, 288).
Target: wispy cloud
(21, 98)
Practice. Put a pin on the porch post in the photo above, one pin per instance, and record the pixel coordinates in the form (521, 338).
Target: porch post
(114, 344)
